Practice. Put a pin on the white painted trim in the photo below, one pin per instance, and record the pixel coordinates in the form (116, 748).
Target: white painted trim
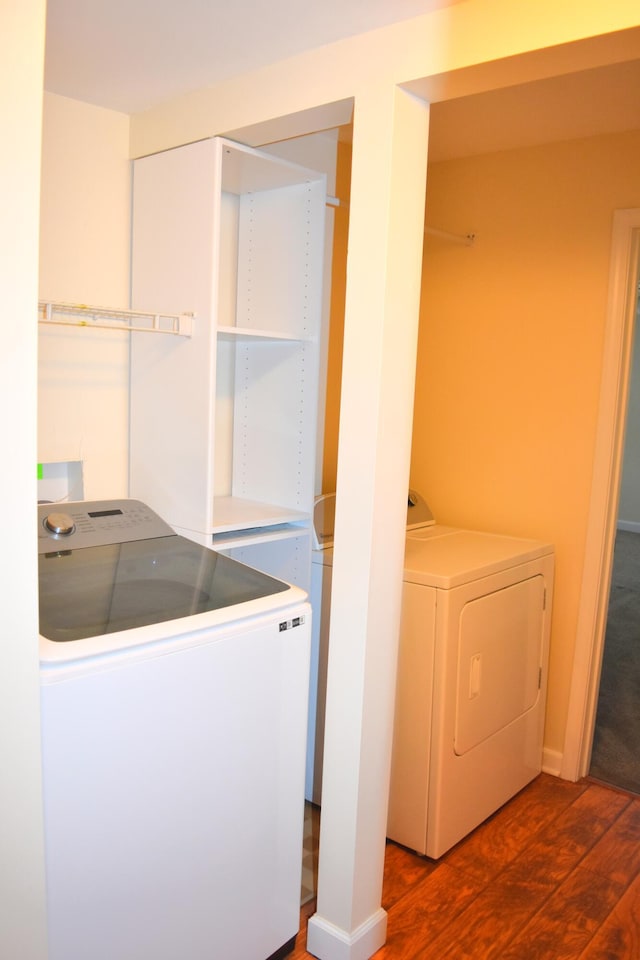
(551, 762)
(623, 279)
(328, 942)
(631, 526)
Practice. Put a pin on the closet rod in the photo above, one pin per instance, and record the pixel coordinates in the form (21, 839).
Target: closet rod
(468, 239)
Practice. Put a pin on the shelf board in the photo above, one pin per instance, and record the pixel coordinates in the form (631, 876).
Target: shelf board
(232, 514)
(245, 171)
(247, 333)
(256, 535)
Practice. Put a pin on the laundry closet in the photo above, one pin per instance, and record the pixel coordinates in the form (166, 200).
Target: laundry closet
(227, 249)
(213, 422)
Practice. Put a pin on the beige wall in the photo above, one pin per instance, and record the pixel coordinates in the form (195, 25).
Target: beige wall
(84, 257)
(85, 225)
(509, 358)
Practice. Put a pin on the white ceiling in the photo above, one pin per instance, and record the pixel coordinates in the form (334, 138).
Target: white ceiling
(128, 55)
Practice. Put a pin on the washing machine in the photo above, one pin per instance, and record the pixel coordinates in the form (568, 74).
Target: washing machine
(173, 698)
(419, 517)
(472, 679)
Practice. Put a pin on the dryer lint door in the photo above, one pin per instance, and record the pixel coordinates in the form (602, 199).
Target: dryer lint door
(492, 643)
(499, 661)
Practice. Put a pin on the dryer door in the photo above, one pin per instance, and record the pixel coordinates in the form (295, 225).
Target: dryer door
(500, 655)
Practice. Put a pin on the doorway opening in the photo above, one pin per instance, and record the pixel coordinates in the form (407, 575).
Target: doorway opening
(615, 755)
(605, 494)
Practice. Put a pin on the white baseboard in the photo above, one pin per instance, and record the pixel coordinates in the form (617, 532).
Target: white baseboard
(632, 526)
(328, 942)
(551, 762)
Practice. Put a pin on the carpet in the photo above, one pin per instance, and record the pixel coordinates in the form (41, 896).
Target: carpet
(615, 757)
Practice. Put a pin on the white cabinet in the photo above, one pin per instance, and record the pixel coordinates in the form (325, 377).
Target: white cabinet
(223, 424)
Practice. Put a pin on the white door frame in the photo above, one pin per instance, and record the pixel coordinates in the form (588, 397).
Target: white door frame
(596, 579)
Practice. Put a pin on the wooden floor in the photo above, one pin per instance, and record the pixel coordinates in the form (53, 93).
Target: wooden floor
(555, 874)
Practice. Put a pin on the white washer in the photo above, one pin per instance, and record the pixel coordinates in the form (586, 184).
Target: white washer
(472, 679)
(174, 698)
(419, 517)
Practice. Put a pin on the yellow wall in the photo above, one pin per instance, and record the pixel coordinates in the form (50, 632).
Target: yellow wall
(336, 326)
(510, 352)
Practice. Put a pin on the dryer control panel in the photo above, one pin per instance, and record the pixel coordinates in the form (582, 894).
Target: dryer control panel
(324, 517)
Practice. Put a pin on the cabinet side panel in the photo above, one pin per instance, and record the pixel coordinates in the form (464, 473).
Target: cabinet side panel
(288, 560)
(224, 418)
(280, 259)
(174, 269)
(225, 349)
(274, 439)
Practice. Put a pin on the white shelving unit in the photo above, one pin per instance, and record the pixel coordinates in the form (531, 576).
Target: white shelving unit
(223, 424)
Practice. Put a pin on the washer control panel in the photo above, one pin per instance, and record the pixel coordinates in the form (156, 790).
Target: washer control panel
(94, 523)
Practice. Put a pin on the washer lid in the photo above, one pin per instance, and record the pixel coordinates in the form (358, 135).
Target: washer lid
(445, 557)
(96, 591)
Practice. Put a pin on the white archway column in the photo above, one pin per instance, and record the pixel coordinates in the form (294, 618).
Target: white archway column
(381, 321)
(23, 914)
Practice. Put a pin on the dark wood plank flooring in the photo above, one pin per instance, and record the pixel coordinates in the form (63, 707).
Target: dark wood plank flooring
(553, 875)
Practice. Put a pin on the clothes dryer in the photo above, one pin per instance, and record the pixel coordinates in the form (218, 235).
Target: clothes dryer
(472, 679)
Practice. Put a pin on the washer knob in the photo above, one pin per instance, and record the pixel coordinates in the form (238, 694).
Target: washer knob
(59, 523)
